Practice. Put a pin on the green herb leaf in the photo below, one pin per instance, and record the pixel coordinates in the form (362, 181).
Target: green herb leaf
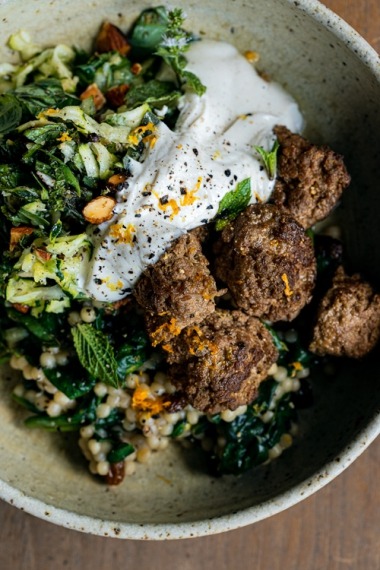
(269, 159)
(95, 353)
(120, 452)
(233, 203)
(148, 30)
(70, 380)
(132, 355)
(10, 113)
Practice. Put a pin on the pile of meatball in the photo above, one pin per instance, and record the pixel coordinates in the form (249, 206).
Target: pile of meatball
(262, 266)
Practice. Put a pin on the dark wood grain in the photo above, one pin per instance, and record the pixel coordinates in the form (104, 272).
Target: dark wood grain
(336, 529)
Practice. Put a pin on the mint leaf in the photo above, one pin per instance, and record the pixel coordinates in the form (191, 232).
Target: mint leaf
(269, 159)
(233, 203)
(174, 43)
(95, 353)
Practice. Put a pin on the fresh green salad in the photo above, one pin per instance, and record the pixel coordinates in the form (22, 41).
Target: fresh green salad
(70, 123)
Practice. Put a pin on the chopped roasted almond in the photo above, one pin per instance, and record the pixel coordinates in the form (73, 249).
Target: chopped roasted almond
(115, 96)
(136, 68)
(116, 179)
(21, 308)
(94, 92)
(42, 254)
(17, 234)
(99, 210)
(111, 38)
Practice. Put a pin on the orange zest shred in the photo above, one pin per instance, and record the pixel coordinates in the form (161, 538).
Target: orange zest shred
(143, 401)
(123, 234)
(288, 292)
(170, 327)
(145, 133)
(64, 138)
(189, 198)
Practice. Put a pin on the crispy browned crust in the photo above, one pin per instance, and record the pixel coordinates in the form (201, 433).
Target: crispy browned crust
(310, 178)
(220, 363)
(177, 291)
(267, 262)
(348, 320)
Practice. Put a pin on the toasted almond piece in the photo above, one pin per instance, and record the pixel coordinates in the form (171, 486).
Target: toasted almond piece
(111, 38)
(115, 96)
(17, 234)
(42, 254)
(94, 92)
(116, 179)
(21, 308)
(136, 68)
(99, 209)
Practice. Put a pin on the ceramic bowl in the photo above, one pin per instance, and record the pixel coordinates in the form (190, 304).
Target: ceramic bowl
(335, 77)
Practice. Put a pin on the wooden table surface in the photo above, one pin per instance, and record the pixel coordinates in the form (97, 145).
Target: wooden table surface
(336, 529)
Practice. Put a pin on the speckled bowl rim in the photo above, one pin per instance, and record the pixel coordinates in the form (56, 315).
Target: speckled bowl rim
(283, 501)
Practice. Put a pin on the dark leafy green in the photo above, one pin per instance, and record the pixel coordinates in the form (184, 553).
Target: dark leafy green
(120, 452)
(233, 203)
(146, 34)
(10, 113)
(132, 354)
(71, 379)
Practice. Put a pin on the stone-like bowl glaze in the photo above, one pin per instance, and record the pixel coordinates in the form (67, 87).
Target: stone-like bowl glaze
(335, 76)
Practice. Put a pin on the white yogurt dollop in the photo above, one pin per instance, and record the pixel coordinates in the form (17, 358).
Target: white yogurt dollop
(186, 173)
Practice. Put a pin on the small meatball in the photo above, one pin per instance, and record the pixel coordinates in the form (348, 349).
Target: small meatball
(177, 291)
(310, 178)
(220, 363)
(348, 319)
(267, 262)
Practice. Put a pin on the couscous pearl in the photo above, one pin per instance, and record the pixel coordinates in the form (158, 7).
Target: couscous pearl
(130, 467)
(19, 390)
(47, 360)
(61, 358)
(169, 388)
(113, 400)
(273, 369)
(100, 389)
(103, 467)
(221, 441)
(131, 457)
(105, 446)
(166, 429)
(94, 446)
(164, 442)
(93, 466)
(207, 444)
(130, 414)
(53, 410)
(157, 389)
(280, 374)
(296, 384)
(143, 455)
(172, 418)
(103, 411)
(28, 372)
(131, 381)
(241, 410)
(304, 373)
(88, 314)
(87, 431)
(100, 457)
(74, 318)
(153, 441)
(192, 417)
(18, 362)
(266, 418)
(228, 416)
(61, 398)
(287, 385)
(129, 426)
(286, 440)
(275, 451)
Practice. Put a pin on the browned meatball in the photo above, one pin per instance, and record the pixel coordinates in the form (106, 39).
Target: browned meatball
(268, 263)
(177, 291)
(348, 320)
(310, 178)
(220, 363)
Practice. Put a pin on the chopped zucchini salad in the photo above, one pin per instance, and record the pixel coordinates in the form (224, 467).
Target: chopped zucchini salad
(161, 277)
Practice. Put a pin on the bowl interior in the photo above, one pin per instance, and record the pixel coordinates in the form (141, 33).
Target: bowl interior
(323, 64)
